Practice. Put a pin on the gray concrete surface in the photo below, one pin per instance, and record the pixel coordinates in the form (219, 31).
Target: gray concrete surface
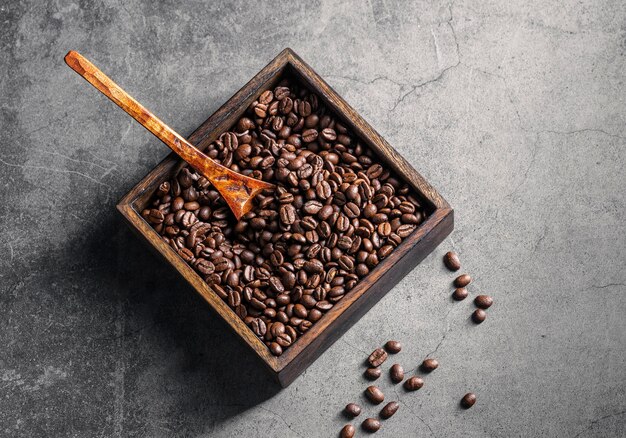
(515, 111)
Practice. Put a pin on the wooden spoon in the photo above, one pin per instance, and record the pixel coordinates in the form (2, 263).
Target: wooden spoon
(236, 189)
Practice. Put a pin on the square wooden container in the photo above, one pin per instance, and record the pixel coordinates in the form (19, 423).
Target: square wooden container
(369, 290)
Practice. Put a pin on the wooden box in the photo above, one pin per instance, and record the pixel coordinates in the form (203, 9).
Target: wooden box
(368, 291)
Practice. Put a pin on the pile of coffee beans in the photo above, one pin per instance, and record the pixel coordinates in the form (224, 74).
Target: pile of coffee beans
(336, 213)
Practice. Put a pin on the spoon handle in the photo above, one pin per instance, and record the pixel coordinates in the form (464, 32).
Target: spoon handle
(236, 189)
(152, 123)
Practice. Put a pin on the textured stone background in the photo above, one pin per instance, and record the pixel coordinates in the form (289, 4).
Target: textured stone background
(515, 111)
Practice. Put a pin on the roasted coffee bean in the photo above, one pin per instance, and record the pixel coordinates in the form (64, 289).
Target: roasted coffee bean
(312, 207)
(396, 372)
(276, 285)
(389, 409)
(348, 431)
(462, 280)
(468, 400)
(221, 264)
(258, 327)
(460, 294)
(373, 373)
(479, 316)
(371, 425)
(483, 301)
(156, 217)
(204, 266)
(353, 410)
(234, 298)
(287, 214)
(374, 394)
(451, 261)
(351, 210)
(385, 251)
(323, 190)
(284, 340)
(334, 216)
(377, 357)
(309, 135)
(393, 347)
(405, 230)
(314, 266)
(429, 365)
(276, 349)
(413, 383)
(346, 263)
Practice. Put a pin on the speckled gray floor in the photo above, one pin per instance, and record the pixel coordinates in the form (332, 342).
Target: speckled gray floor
(515, 111)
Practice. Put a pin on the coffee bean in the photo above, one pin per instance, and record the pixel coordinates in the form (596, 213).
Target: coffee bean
(468, 400)
(429, 365)
(373, 373)
(276, 285)
(462, 280)
(346, 263)
(204, 266)
(396, 372)
(371, 425)
(351, 210)
(405, 230)
(483, 301)
(389, 409)
(347, 431)
(284, 340)
(314, 266)
(312, 207)
(287, 214)
(377, 357)
(451, 260)
(384, 251)
(393, 347)
(413, 383)
(276, 349)
(309, 135)
(353, 410)
(479, 316)
(460, 294)
(156, 217)
(374, 394)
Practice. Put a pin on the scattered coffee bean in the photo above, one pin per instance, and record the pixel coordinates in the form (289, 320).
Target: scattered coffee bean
(429, 365)
(353, 410)
(348, 431)
(374, 394)
(483, 301)
(389, 409)
(413, 383)
(479, 316)
(335, 214)
(373, 373)
(371, 425)
(462, 280)
(451, 261)
(396, 372)
(468, 400)
(377, 357)
(460, 294)
(393, 347)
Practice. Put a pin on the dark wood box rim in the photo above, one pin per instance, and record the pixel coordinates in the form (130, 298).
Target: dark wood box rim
(220, 121)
